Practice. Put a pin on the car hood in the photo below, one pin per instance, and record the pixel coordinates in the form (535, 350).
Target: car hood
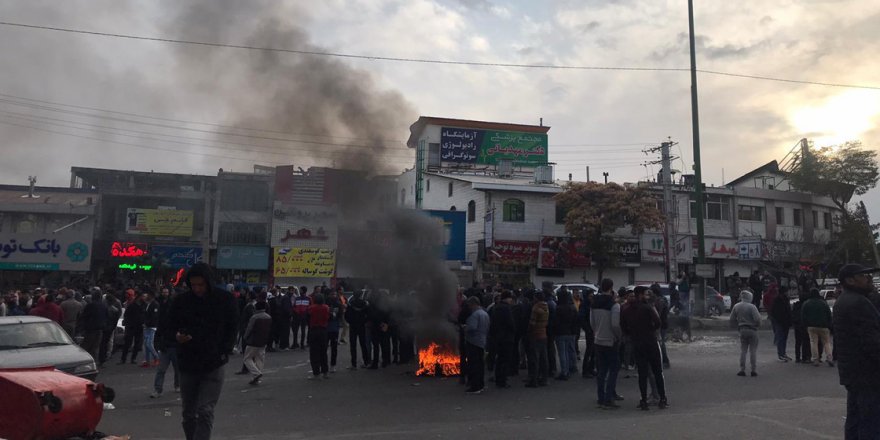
(59, 356)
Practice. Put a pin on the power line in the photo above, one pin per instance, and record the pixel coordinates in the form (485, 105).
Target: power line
(435, 61)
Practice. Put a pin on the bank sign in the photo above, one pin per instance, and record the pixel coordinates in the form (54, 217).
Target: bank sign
(66, 250)
(464, 145)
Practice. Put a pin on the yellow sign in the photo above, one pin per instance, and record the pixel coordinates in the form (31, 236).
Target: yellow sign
(165, 222)
(304, 262)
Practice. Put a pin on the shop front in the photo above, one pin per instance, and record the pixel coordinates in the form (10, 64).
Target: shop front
(244, 265)
(50, 259)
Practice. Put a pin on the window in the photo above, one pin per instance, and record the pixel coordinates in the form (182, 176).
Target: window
(827, 217)
(242, 233)
(798, 217)
(717, 208)
(472, 211)
(450, 189)
(780, 215)
(433, 155)
(428, 185)
(243, 195)
(560, 214)
(751, 213)
(815, 219)
(514, 210)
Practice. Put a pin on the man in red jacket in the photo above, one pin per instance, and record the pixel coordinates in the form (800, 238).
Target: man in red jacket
(319, 317)
(48, 309)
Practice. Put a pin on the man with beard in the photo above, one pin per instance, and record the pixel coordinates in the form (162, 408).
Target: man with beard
(356, 314)
(856, 325)
(502, 328)
(642, 322)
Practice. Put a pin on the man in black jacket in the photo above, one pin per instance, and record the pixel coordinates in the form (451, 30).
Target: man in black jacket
(166, 343)
(203, 321)
(856, 325)
(502, 328)
(356, 314)
(93, 320)
(780, 313)
(642, 322)
(379, 329)
(133, 321)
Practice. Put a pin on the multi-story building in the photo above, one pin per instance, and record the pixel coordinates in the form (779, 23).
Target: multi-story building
(45, 235)
(242, 222)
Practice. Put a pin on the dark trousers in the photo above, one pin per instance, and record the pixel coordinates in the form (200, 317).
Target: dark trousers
(504, 364)
(283, 333)
(106, 344)
(300, 327)
(517, 355)
(333, 342)
(380, 342)
(407, 345)
(649, 360)
(199, 394)
(608, 365)
(538, 365)
(491, 354)
(780, 337)
(394, 335)
(663, 346)
(801, 344)
(589, 365)
(358, 335)
(862, 414)
(551, 355)
(476, 367)
(92, 342)
(134, 340)
(318, 350)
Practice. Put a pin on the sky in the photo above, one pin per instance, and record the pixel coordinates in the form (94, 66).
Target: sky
(318, 110)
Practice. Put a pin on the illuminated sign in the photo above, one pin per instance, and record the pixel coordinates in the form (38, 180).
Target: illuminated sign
(128, 250)
(126, 266)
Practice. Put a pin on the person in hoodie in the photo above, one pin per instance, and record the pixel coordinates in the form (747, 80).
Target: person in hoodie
(641, 322)
(301, 317)
(114, 312)
(203, 320)
(356, 315)
(780, 316)
(537, 334)
(605, 322)
(151, 322)
(166, 344)
(745, 317)
(566, 331)
(48, 309)
(256, 336)
(502, 327)
(94, 319)
(801, 336)
(133, 322)
(816, 317)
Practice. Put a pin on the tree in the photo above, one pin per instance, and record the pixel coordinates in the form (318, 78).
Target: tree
(837, 171)
(595, 211)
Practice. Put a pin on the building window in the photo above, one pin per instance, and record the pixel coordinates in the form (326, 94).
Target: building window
(428, 185)
(514, 210)
(827, 217)
(798, 217)
(560, 214)
(244, 195)
(751, 213)
(815, 219)
(780, 215)
(472, 211)
(716, 208)
(242, 233)
(450, 189)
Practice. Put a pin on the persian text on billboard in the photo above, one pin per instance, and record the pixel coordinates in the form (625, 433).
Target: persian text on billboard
(562, 253)
(514, 253)
(489, 146)
(163, 222)
(304, 262)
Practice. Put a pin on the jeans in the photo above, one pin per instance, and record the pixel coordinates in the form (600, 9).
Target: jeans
(538, 365)
(649, 361)
(565, 347)
(199, 393)
(748, 339)
(301, 327)
(150, 353)
(476, 366)
(318, 350)
(358, 335)
(780, 338)
(166, 357)
(254, 359)
(862, 414)
(608, 365)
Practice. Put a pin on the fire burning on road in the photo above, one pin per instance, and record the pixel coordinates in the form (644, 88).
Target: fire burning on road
(437, 360)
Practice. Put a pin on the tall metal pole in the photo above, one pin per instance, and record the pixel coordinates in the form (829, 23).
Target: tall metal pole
(698, 176)
(666, 177)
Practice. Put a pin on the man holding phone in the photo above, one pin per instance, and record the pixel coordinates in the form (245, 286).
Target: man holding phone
(203, 320)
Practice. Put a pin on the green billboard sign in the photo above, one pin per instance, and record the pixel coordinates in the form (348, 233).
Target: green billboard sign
(490, 146)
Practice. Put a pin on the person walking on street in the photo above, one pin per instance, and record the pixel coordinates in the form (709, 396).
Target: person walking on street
(605, 322)
(356, 315)
(801, 335)
(780, 317)
(537, 334)
(565, 331)
(642, 323)
(333, 326)
(151, 322)
(203, 320)
(300, 321)
(256, 336)
(319, 317)
(94, 319)
(502, 327)
(72, 309)
(745, 317)
(166, 344)
(856, 325)
(662, 307)
(816, 316)
(476, 331)
(133, 322)
(243, 320)
(114, 312)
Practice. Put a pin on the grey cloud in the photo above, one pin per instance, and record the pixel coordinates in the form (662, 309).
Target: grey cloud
(705, 48)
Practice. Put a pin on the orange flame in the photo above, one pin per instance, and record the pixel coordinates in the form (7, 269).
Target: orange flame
(433, 356)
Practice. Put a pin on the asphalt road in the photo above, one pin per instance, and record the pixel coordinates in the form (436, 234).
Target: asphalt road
(707, 401)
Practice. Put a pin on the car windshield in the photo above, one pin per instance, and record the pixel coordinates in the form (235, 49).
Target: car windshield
(34, 334)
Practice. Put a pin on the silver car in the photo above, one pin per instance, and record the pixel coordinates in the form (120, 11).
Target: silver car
(32, 341)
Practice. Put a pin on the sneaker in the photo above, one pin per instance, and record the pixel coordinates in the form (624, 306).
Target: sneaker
(663, 404)
(311, 377)
(830, 363)
(817, 363)
(782, 359)
(474, 391)
(353, 367)
(787, 358)
(754, 374)
(256, 380)
(643, 405)
(156, 395)
(741, 374)
(332, 369)
(618, 397)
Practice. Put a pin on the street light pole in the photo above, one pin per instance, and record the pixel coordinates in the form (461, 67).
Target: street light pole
(695, 123)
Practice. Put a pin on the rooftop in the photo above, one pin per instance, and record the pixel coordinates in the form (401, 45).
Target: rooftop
(515, 183)
(17, 194)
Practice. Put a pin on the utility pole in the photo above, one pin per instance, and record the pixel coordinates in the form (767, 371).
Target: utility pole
(605, 173)
(698, 175)
(669, 207)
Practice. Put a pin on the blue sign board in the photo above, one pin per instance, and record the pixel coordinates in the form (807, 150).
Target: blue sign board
(454, 224)
(177, 257)
(243, 257)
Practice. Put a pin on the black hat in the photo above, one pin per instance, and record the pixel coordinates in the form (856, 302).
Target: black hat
(854, 269)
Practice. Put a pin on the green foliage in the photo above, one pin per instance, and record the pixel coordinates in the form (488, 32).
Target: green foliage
(837, 172)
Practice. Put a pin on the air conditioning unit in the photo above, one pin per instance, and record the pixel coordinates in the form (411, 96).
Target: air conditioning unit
(505, 168)
(544, 174)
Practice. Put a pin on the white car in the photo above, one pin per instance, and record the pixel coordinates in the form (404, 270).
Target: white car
(579, 288)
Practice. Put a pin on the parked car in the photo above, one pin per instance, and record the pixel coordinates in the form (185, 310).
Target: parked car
(33, 341)
(830, 296)
(576, 288)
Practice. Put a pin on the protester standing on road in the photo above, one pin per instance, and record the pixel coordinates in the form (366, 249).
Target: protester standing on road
(816, 316)
(856, 325)
(565, 331)
(780, 316)
(801, 336)
(114, 312)
(203, 320)
(166, 344)
(502, 327)
(356, 315)
(745, 317)
(301, 317)
(662, 307)
(133, 321)
(605, 322)
(72, 309)
(333, 326)
(151, 322)
(319, 316)
(642, 323)
(476, 331)
(588, 368)
(379, 326)
(94, 319)
(537, 335)
(243, 320)
(256, 336)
